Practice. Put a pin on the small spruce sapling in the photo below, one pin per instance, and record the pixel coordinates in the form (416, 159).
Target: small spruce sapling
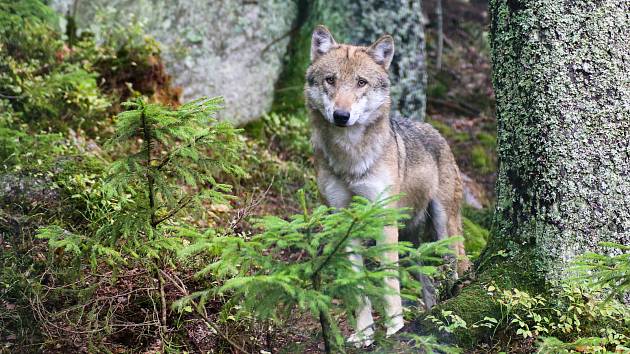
(180, 151)
(605, 271)
(302, 263)
(175, 153)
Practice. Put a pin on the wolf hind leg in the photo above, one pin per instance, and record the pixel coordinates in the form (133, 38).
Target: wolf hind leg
(455, 229)
(436, 227)
(442, 224)
(418, 230)
(439, 219)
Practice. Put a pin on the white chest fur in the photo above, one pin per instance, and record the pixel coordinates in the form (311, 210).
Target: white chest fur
(348, 153)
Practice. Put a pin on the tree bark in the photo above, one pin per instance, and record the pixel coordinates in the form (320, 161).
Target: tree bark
(440, 34)
(562, 83)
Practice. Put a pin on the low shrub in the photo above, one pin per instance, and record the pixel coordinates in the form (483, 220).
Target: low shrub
(302, 264)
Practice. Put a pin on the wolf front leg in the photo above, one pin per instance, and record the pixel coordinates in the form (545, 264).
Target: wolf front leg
(337, 195)
(379, 185)
(364, 335)
(392, 301)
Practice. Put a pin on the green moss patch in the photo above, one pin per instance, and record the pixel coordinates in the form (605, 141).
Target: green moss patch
(481, 159)
(475, 238)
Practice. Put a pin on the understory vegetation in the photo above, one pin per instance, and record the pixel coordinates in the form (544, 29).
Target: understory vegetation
(133, 222)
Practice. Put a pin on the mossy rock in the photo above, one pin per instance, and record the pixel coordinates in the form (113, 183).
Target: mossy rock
(472, 305)
(24, 193)
(496, 266)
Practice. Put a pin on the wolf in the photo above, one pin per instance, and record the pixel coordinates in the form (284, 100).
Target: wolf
(360, 150)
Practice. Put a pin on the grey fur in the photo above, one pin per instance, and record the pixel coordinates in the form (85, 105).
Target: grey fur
(421, 136)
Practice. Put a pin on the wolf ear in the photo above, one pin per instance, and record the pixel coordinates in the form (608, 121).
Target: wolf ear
(322, 41)
(382, 51)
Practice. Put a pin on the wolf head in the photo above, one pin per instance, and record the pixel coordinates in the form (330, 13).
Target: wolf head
(348, 84)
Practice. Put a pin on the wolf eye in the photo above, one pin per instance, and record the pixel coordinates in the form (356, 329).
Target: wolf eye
(330, 80)
(361, 82)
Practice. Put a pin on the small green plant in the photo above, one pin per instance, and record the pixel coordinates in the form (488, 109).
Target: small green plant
(570, 312)
(168, 174)
(44, 88)
(449, 132)
(607, 277)
(277, 157)
(290, 132)
(180, 152)
(602, 271)
(20, 20)
(449, 322)
(413, 343)
(487, 140)
(53, 84)
(481, 159)
(552, 345)
(21, 151)
(302, 263)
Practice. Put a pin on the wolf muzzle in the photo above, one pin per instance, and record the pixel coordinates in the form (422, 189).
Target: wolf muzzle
(341, 118)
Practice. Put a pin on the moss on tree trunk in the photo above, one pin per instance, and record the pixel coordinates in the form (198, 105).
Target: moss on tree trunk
(561, 75)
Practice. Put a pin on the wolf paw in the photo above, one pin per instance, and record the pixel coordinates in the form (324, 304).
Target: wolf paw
(362, 339)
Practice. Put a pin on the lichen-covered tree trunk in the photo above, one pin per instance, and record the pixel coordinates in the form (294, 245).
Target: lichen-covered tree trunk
(362, 22)
(562, 83)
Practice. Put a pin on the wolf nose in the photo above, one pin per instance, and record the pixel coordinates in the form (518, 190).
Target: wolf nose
(341, 118)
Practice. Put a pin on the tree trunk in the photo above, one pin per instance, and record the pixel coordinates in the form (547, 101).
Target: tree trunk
(562, 84)
(561, 74)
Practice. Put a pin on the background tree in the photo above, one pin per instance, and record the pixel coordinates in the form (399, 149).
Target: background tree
(440, 34)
